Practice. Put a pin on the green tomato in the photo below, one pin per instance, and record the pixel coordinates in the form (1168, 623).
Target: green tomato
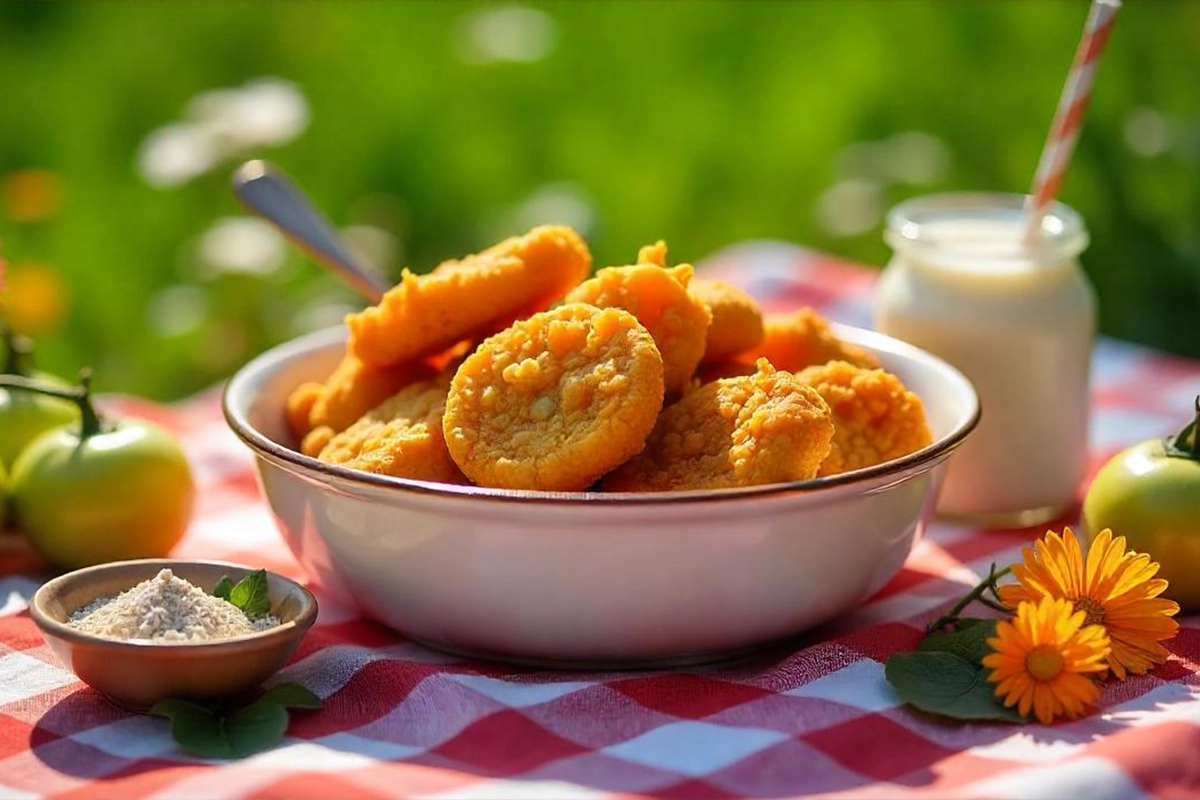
(24, 416)
(120, 493)
(3, 497)
(1150, 494)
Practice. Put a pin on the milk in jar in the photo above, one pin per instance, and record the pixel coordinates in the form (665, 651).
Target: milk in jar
(1018, 318)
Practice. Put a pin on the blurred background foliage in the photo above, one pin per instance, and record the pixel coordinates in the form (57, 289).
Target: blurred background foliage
(430, 129)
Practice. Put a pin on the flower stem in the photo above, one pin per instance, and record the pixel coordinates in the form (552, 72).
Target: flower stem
(994, 604)
(81, 395)
(976, 594)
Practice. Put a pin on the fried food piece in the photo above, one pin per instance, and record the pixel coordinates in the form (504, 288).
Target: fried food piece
(658, 297)
(299, 407)
(315, 440)
(729, 368)
(763, 428)
(875, 418)
(556, 400)
(353, 389)
(737, 321)
(401, 437)
(803, 339)
(469, 298)
(653, 254)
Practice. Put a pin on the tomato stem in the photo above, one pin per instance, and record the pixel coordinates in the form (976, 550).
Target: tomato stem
(1187, 443)
(81, 395)
(17, 350)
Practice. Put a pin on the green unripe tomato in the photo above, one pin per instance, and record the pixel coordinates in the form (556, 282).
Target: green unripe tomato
(24, 416)
(1150, 494)
(3, 497)
(120, 493)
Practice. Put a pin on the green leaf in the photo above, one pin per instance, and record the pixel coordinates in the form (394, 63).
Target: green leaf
(250, 594)
(224, 588)
(941, 682)
(290, 695)
(254, 728)
(969, 642)
(196, 729)
(206, 733)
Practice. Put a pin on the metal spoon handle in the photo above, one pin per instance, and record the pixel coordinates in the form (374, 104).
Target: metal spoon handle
(267, 192)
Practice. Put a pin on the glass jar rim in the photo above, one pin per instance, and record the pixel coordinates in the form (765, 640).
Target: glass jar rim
(910, 223)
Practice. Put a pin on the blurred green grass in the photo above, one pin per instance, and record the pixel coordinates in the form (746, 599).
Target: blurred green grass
(703, 123)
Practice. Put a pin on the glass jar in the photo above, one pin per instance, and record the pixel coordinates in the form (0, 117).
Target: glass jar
(1018, 318)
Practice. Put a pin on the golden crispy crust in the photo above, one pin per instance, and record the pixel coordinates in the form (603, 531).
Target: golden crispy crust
(556, 400)
(355, 388)
(737, 321)
(803, 339)
(659, 299)
(315, 440)
(472, 297)
(401, 437)
(875, 418)
(299, 407)
(742, 431)
(653, 254)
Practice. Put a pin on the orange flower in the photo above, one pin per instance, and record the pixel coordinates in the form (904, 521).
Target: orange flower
(1042, 659)
(31, 195)
(33, 298)
(1114, 588)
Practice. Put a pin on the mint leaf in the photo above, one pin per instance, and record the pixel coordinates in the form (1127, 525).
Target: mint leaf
(969, 642)
(250, 594)
(941, 682)
(252, 729)
(196, 729)
(290, 695)
(223, 588)
(257, 727)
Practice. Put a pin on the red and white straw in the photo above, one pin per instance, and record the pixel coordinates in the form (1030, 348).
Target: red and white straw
(1068, 117)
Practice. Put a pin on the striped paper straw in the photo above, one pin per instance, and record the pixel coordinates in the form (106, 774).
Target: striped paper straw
(1068, 117)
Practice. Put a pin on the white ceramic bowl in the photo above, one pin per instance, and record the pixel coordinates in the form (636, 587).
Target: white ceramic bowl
(586, 578)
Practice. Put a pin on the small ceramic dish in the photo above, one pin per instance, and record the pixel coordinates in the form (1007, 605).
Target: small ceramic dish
(136, 674)
(587, 579)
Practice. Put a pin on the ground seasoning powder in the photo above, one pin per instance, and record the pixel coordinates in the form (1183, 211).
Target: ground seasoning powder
(167, 608)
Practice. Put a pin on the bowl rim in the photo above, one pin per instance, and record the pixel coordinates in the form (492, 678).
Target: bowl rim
(926, 457)
(283, 632)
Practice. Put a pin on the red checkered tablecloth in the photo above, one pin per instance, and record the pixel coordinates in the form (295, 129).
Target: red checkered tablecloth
(811, 718)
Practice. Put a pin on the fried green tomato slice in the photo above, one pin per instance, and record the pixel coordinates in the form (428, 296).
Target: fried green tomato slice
(742, 431)
(401, 437)
(875, 417)
(804, 339)
(475, 296)
(556, 400)
(737, 321)
(659, 298)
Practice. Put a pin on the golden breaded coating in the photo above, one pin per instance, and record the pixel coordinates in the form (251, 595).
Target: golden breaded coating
(875, 418)
(475, 296)
(763, 428)
(803, 339)
(299, 407)
(658, 297)
(737, 321)
(315, 440)
(556, 400)
(653, 254)
(401, 437)
(355, 388)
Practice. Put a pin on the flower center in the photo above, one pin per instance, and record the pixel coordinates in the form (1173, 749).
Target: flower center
(1044, 663)
(1093, 611)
